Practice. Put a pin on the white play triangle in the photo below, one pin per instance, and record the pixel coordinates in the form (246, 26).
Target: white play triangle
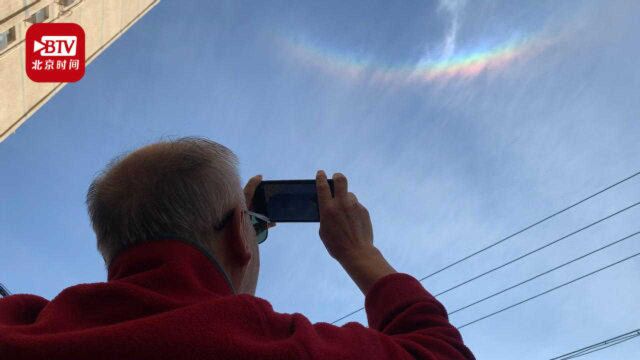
(37, 46)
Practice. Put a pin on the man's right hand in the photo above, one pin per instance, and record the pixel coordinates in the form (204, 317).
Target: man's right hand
(347, 233)
(345, 226)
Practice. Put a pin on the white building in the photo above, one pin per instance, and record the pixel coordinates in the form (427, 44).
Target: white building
(103, 22)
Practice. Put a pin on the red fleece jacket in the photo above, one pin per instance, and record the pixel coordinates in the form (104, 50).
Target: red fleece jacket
(168, 300)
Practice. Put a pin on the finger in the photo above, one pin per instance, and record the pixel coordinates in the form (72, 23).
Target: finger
(340, 185)
(250, 189)
(350, 200)
(322, 186)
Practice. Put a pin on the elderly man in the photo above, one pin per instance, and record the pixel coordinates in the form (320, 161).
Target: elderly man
(181, 247)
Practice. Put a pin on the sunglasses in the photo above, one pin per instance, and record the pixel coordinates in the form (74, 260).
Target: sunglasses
(260, 225)
(259, 222)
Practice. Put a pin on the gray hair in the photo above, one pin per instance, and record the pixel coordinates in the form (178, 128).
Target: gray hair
(179, 188)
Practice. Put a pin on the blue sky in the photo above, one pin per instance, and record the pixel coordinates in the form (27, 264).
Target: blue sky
(445, 166)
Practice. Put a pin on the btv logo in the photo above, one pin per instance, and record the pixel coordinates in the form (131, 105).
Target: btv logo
(55, 52)
(56, 45)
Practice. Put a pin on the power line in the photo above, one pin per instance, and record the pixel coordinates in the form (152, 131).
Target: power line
(496, 268)
(602, 348)
(544, 273)
(529, 227)
(599, 346)
(547, 291)
(510, 236)
(536, 250)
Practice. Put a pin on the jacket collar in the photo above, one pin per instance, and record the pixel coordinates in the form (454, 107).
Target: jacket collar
(175, 256)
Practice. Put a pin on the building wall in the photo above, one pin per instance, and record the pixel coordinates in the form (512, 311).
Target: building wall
(103, 22)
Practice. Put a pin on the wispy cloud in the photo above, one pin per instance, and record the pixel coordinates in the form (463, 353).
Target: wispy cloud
(453, 8)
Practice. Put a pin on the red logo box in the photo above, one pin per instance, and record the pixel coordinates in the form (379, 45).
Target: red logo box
(55, 52)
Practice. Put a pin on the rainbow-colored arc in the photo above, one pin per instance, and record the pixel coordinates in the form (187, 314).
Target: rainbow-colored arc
(461, 65)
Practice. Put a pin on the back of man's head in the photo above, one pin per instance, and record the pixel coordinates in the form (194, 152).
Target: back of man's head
(180, 188)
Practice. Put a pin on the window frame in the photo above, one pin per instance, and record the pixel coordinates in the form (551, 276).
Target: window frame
(33, 18)
(66, 3)
(9, 37)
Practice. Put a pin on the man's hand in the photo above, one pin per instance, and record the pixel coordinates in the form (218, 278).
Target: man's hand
(345, 226)
(347, 233)
(250, 190)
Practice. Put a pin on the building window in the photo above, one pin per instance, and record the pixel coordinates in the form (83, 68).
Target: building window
(39, 16)
(66, 2)
(7, 37)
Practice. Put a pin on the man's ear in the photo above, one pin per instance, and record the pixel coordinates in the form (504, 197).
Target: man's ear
(238, 246)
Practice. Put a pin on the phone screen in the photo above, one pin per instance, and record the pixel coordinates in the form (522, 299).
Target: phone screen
(288, 200)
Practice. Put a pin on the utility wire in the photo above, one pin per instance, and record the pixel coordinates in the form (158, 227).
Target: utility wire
(536, 250)
(602, 348)
(544, 273)
(496, 268)
(599, 346)
(510, 236)
(529, 227)
(547, 291)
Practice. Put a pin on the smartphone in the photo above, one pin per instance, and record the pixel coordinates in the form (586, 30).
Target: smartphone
(288, 200)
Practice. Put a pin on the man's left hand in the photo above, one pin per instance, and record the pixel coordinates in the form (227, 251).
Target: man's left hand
(249, 191)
